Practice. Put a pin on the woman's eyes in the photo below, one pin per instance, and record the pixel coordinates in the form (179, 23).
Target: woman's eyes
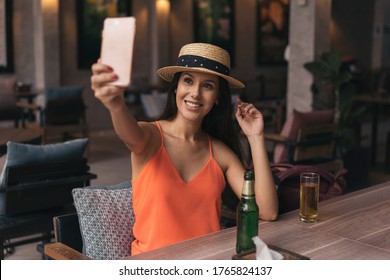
(188, 81)
(206, 85)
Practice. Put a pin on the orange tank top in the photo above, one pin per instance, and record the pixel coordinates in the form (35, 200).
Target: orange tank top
(170, 210)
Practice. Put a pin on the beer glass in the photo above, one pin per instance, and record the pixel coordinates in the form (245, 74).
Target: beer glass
(309, 192)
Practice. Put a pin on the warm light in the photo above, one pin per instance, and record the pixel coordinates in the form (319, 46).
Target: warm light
(51, 5)
(163, 6)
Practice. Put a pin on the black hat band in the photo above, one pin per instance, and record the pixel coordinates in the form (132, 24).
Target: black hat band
(198, 61)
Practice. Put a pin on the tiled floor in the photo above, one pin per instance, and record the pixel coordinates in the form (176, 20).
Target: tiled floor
(110, 159)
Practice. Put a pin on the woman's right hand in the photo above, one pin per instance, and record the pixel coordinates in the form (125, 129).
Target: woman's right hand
(111, 96)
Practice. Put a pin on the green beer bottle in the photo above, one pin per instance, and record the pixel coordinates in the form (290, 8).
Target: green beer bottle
(247, 215)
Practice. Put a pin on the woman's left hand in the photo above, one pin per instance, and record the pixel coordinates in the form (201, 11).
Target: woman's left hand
(250, 119)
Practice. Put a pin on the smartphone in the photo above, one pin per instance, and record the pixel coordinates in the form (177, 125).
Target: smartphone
(117, 47)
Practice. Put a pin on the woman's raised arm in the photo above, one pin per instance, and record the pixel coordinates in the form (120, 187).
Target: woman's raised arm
(112, 97)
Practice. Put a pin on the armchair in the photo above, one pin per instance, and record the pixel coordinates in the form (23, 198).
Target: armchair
(62, 115)
(101, 228)
(8, 99)
(307, 138)
(273, 112)
(68, 243)
(35, 185)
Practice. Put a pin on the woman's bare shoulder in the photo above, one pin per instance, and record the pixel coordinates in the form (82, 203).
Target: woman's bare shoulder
(223, 154)
(148, 125)
(219, 146)
(140, 159)
(151, 129)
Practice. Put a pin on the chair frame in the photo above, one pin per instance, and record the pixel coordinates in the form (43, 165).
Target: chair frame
(53, 121)
(67, 243)
(60, 251)
(35, 193)
(314, 145)
(68, 240)
(273, 113)
(318, 141)
(9, 111)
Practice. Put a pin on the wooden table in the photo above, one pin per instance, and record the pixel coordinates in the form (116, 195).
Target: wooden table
(20, 135)
(30, 96)
(375, 102)
(352, 226)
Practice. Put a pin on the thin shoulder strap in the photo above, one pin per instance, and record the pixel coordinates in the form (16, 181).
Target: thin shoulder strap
(161, 134)
(210, 146)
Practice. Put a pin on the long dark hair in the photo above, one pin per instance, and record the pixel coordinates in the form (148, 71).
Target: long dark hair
(218, 123)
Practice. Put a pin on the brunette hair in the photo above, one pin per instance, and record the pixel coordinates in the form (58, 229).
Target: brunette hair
(218, 123)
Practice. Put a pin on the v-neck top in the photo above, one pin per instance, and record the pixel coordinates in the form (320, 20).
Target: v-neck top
(167, 209)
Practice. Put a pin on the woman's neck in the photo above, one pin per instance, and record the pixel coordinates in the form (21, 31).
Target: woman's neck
(186, 130)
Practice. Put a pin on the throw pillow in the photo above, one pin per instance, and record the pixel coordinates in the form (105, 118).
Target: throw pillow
(18, 154)
(106, 220)
(295, 121)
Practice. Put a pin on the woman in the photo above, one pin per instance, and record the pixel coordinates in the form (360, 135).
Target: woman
(180, 163)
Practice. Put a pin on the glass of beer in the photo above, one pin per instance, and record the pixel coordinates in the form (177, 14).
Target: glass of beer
(309, 192)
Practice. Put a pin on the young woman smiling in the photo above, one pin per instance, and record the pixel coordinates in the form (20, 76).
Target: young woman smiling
(182, 162)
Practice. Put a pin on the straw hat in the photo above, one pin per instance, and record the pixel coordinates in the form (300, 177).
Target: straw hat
(201, 57)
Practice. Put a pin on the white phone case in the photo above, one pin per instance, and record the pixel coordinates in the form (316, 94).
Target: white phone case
(117, 47)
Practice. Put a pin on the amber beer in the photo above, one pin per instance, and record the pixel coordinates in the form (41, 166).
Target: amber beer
(247, 215)
(309, 192)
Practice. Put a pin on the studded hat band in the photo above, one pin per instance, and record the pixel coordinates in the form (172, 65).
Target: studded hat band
(201, 58)
(198, 61)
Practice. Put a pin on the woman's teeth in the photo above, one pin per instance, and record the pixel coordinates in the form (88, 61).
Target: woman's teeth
(193, 105)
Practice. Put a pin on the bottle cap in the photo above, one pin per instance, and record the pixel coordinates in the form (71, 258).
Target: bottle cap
(249, 175)
(248, 188)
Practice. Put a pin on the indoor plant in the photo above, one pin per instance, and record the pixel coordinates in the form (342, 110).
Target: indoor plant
(329, 70)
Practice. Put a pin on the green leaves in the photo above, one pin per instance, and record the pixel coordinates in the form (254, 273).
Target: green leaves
(350, 112)
(328, 68)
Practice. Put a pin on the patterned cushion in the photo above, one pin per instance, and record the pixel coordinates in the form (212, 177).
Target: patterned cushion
(295, 121)
(106, 220)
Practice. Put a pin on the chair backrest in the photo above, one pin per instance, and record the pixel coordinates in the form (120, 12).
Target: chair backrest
(64, 105)
(39, 186)
(295, 121)
(7, 85)
(101, 228)
(273, 112)
(315, 143)
(153, 104)
(65, 111)
(8, 98)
